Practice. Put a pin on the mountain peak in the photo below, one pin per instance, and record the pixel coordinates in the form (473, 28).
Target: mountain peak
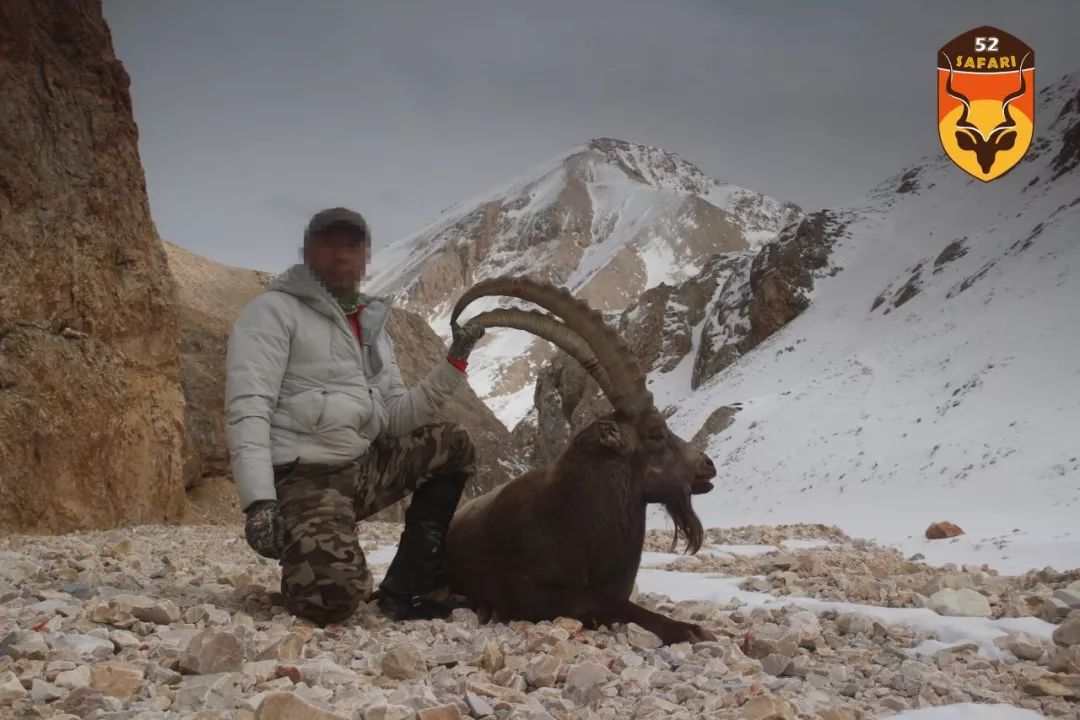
(606, 220)
(647, 164)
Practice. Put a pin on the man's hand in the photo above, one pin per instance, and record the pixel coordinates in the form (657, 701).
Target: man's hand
(263, 529)
(465, 337)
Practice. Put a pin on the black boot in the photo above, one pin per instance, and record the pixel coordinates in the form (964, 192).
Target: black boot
(418, 569)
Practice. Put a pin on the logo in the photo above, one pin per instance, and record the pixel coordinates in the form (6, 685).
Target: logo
(986, 101)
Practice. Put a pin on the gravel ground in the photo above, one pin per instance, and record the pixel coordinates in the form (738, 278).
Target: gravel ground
(182, 622)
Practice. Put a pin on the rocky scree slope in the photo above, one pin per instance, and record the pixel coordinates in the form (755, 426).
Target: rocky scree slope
(158, 623)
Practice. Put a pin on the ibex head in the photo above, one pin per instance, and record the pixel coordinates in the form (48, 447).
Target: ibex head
(971, 138)
(657, 463)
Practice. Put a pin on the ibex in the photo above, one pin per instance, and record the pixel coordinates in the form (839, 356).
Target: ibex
(566, 540)
(971, 138)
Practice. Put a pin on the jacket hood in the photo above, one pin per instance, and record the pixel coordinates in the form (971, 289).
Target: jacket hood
(300, 282)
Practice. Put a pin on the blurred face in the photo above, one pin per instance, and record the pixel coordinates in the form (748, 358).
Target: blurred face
(339, 258)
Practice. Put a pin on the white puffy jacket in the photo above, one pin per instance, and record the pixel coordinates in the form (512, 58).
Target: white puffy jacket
(299, 385)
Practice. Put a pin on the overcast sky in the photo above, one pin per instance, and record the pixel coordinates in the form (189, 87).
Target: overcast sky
(254, 114)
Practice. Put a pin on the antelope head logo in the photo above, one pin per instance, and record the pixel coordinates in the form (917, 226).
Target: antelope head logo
(971, 138)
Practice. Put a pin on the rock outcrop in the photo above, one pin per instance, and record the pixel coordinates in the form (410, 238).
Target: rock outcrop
(759, 299)
(211, 295)
(91, 413)
(735, 302)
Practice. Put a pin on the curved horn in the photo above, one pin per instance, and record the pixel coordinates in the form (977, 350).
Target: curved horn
(627, 379)
(553, 331)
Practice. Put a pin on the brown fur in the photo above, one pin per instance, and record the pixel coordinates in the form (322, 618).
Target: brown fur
(567, 540)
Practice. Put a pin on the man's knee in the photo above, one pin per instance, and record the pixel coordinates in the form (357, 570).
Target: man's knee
(324, 575)
(326, 593)
(460, 449)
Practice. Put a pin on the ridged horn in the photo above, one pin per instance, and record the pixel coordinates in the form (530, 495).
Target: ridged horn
(555, 332)
(627, 380)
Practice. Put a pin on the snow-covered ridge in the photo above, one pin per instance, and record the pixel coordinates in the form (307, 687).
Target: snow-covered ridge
(934, 376)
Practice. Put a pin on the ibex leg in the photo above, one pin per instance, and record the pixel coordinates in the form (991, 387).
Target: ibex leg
(668, 630)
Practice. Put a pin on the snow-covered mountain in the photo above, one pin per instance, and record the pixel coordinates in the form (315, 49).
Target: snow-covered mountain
(607, 220)
(934, 375)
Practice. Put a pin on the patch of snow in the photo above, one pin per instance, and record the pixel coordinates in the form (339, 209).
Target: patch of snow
(949, 630)
(806, 544)
(512, 408)
(969, 711)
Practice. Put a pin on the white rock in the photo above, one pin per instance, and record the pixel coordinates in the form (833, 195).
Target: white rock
(767, 707)
(388, 712)
(583, 682)
(478, 706)
(26, 644)
(642, 639)
(1021, 644)
(118, 679)
(775, 664)
(260, 671)
(151, 610)
(1069, 596)
(83, 647)
(220, 691)
(124, 639)
(71, 679)
(10, 687)
(326, 672)
(404, 662)
(1068, 632)
(960, 603)
(854, 624)
(176, 639)
(42, 692)
(289, 647)
(440, 712)
(770, 638)
(1053, 609)
(805, 623)
(214, 651)
(17, 569)
(543, 671)
(290, 706)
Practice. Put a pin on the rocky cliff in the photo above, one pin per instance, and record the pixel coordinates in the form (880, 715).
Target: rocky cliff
(91, 413)
(684, 334)
(211, 295)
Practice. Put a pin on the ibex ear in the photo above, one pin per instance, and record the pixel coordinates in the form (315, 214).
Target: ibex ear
(965, 140)
(610, 435)
(1006, 140)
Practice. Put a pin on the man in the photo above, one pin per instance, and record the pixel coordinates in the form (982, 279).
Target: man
(323, 432)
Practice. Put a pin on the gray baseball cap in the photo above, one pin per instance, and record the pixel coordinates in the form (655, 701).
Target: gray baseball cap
(337, 218)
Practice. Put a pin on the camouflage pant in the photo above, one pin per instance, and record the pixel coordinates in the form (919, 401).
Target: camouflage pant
(324, 573)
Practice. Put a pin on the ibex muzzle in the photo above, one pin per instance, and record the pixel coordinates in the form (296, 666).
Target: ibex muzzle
(1002, 136)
